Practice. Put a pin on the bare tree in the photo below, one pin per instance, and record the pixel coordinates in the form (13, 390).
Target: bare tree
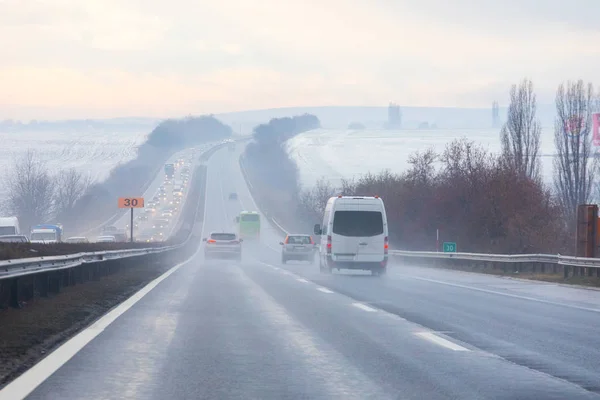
(30, 191)
(422, 166)
(70, 186)
(520, 135)
(315, 199)
(575, 165)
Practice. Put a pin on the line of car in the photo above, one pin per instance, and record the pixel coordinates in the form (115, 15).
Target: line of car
(162, 209)
(353, 235)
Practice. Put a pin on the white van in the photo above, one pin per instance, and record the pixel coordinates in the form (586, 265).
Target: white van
(9, 226)
(354, 235)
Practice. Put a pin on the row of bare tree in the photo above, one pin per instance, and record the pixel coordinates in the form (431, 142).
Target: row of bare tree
(576, 165)
(491, 202)
(35, 195)
(474, 198)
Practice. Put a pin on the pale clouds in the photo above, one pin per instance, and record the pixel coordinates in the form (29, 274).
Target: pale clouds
(158, 58)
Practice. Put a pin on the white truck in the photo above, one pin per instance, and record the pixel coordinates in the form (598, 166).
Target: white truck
(9, 226)
(46, 233)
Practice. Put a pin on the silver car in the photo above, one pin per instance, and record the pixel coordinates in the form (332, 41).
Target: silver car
(298, 247)
(223, 245)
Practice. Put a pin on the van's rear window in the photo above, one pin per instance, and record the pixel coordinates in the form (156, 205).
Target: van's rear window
(358, 223)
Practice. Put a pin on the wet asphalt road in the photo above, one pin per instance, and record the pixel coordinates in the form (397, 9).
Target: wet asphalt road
(261, 330)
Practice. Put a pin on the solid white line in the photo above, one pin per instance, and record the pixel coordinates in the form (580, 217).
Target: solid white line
(363, 307)
(36, 375)
(440, 341)
(302, 280)
(324, 290)
(516, 296)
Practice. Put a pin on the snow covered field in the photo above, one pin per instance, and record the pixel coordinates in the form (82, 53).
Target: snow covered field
(337, 154)
(91, 152)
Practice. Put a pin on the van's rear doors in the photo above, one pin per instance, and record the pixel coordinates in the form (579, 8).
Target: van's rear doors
(358, 231)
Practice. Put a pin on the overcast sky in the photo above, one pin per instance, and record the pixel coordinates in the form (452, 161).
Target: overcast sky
(111, 58)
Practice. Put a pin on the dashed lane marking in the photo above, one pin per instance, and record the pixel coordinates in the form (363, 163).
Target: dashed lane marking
(364, 307)
(324, 290)
(440, 341)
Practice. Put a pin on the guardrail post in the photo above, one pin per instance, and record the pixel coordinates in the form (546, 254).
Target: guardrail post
(566, 271)
(44, 284)
(14, 293)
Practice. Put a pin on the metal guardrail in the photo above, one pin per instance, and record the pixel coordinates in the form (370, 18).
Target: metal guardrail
(504, 258)
(29, 266)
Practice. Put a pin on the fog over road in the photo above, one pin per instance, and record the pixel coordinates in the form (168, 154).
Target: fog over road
(261, 330)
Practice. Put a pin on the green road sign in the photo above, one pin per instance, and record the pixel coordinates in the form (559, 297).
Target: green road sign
(449, 247)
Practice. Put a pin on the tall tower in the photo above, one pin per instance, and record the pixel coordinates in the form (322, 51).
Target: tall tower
(394, 116)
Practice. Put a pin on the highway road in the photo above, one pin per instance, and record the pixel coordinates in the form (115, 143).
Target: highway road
(152, 189)
(261, 330)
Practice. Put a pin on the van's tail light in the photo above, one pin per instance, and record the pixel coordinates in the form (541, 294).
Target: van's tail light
(385, 245)
(287, 240)
(328, 244)
(311, 240)
(211, 241)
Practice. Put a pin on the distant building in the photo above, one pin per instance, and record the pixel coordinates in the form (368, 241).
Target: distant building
(394, 117)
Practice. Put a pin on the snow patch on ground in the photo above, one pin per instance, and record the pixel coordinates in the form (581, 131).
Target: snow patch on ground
(338, 154)
(91, 152)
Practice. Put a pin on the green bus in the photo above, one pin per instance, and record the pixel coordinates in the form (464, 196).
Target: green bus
(249, 225)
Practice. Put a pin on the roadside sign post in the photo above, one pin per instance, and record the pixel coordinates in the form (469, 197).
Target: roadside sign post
(131, 203)
(437, 240)
(449, 247)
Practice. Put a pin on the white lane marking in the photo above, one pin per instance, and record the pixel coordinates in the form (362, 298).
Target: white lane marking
(440, 341)
(515, 296)
(36, 375)
(324, 290)
(363, 307)
(302, 280)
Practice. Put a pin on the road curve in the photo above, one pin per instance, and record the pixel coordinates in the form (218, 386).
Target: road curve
(261, 330)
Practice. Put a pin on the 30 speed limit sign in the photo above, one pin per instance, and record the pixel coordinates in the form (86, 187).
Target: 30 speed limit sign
(131, 202)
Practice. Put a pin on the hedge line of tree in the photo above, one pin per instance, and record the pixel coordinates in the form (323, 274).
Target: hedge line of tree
(474, 199)
(272, 172)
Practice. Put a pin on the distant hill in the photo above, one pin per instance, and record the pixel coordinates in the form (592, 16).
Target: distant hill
(339, 117)
(331, 117)
(112, 124)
